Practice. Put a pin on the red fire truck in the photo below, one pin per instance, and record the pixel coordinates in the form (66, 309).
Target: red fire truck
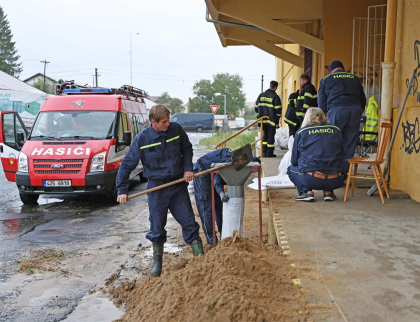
(76, 144)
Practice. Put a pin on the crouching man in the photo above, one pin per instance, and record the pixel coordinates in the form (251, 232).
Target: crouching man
(317, 157)
(166, 154)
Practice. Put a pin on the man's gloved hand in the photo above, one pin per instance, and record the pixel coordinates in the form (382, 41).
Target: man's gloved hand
(256, 159)
(223, 196)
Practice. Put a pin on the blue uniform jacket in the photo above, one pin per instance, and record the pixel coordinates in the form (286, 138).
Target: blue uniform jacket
(217, 156)
(340, 89)
(318, 148)
(164, 157)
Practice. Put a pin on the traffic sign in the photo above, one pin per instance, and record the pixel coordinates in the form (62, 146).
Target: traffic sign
(214, 108)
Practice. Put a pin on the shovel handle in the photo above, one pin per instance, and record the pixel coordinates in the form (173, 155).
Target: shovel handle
(198, 174)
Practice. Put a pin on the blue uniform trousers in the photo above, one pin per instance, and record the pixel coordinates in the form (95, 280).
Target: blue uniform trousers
(202, 192)
(305, 182)
(347, 118)
(269, 133)
(177, 200)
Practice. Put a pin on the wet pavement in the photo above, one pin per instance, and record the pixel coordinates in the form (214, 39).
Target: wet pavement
(79, 227)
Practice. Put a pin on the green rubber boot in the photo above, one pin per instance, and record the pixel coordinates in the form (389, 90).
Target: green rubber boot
(157, 259)
(197, 247)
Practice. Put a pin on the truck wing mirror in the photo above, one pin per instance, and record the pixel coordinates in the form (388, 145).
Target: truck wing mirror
(20, 138)
(126, 139)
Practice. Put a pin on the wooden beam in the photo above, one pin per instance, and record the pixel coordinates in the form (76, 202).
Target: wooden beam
(262, 20)
(274, 50)
(241, 33)
(275, 9)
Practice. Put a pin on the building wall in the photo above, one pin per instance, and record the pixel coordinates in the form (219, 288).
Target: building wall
(337, 31)
(288, 76)
(405, 157)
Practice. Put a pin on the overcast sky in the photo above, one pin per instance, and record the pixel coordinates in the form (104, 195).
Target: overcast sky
(174, 47)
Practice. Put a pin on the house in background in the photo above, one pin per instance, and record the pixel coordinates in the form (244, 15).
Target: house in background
(37, 81)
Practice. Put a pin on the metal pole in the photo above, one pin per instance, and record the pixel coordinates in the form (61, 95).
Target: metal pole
(225, 114)
(262, 83)
(45, 62)
(131, 64)
(213, 214)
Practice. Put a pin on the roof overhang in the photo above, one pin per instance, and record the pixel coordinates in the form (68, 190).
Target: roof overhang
(267, 24)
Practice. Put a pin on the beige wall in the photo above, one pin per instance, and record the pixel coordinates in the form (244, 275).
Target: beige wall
(288, 76)
(337, 31)
(405, 157)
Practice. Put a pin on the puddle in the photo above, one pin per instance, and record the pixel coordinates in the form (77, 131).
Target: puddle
(95, 307)
(168, 248)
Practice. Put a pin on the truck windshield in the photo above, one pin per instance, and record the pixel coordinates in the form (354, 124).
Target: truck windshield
(95, 125)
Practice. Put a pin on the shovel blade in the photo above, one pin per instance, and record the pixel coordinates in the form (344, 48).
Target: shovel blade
(241, 157)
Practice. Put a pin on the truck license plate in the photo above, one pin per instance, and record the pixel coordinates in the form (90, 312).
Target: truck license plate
(57, 183)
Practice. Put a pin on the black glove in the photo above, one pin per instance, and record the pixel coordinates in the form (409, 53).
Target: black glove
(223, 196)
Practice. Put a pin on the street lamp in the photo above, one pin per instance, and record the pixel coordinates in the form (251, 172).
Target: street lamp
(131, 60)
(224, 119)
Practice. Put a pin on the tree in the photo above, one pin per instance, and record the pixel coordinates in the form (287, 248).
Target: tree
(8, 53)
(164, 99)
(175, 106)
(223, 83)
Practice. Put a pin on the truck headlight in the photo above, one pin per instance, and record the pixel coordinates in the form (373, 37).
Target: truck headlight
(98, 162)
(23, 162)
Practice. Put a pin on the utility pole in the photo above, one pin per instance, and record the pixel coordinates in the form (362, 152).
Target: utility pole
(96, 76)
(45, 62)
(262, 83)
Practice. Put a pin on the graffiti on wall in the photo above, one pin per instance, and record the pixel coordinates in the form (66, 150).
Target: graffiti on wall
(414, 90)
(411, 136)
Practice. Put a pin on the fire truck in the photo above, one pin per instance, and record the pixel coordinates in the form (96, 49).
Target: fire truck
(76, 144)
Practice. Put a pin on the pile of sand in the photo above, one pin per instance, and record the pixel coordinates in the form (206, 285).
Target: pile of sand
(244, 280)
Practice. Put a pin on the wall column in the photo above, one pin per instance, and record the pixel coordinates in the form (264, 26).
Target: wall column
(388, 66)
(388, 69)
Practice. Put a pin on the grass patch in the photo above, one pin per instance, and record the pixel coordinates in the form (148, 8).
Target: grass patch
(45, 260)
(235, 143)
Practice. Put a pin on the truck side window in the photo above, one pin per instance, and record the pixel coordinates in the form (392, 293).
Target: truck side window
(8, 128)
(122, 126)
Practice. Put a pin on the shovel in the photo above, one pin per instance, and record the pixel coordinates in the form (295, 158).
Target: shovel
(240, 158)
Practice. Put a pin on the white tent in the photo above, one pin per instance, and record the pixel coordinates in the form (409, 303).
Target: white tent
(16, 95)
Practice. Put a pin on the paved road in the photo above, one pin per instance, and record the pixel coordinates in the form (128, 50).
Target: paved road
(97, 239)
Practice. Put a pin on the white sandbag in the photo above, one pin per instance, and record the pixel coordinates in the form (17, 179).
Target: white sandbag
(281, 138)
(286, 160)
(233, 216)
(274, 182)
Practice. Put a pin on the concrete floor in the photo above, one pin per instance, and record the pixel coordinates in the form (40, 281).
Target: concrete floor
(358, 260)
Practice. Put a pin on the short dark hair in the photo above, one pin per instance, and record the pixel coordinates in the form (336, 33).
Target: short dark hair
(274, 84)
(305, 77)
(157, 112)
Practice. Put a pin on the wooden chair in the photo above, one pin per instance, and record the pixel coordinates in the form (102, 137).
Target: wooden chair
(385, 131)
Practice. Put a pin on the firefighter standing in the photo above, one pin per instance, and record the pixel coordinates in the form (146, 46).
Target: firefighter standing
(307, 97)
(166, 154)
(290, 117)
(342, 98)
(269, 104)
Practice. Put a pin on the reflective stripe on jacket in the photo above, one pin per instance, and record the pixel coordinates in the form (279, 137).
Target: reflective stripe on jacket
(290, 117)
(307, 98)
(269, 104)
(164, 157)
(371, 120)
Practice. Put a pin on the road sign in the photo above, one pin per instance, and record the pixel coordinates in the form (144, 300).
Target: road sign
(214, 108)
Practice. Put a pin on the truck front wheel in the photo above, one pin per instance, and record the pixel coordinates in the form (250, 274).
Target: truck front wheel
(199, 129)
(29, 199)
